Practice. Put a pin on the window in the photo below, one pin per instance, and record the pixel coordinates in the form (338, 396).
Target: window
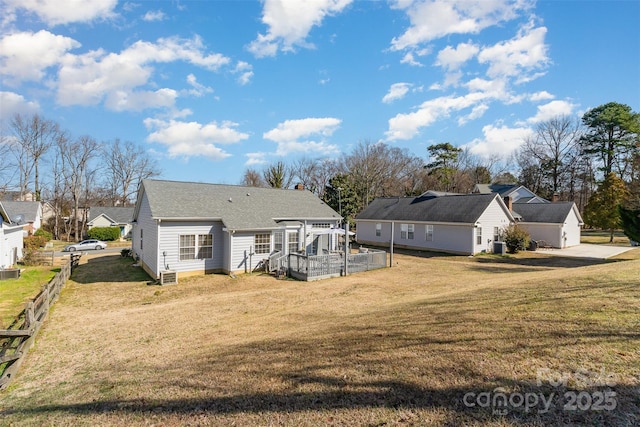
(205, 246)
(278, 241)
(187, 247)
(496, 234)
(141, 240)
(262, 243)
(428, 232)
(321, 225)
(378, 229)
(406, 231)
(194, 246)
(479, 236)
(294, 242)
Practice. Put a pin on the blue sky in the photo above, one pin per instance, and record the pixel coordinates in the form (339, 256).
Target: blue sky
(213, 87)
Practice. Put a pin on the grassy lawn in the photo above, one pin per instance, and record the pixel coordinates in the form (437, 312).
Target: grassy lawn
(600, 237)
(402, 346)
(15, 293)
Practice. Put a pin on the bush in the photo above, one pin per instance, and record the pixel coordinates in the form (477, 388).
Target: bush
(43, 233)
(516, 238)
(104, 233)
(32, 243)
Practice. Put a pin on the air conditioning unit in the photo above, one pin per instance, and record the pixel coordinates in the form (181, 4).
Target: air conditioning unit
(168, 277)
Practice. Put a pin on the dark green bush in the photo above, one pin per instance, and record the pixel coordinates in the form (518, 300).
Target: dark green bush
(43, 233)
(516, 238)
(104, 233)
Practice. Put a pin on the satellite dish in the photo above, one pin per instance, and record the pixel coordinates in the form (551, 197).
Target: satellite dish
(18, 219)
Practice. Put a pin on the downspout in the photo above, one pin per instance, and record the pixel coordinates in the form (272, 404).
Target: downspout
(391, 246)
(159, 220)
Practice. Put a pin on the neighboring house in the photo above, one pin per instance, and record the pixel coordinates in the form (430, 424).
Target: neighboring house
(557, 224)
(100, 216)
(195, 228)
(464, 224)
(11, 240)
(517, 193)
(27, 214)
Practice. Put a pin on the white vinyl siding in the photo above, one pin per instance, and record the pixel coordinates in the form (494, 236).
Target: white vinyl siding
(202, 256)
(145, 239)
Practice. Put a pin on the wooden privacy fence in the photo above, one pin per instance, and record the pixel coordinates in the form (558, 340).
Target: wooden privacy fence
(317, 267)
(16, 341)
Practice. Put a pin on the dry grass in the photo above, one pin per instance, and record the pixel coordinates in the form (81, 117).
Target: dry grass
(398, 346)
(602, 237)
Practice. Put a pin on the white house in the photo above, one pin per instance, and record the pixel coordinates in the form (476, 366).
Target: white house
(27, 214)
(195, 228)
(11, 240)
(465, 224)
(102, 216)
(557, 224)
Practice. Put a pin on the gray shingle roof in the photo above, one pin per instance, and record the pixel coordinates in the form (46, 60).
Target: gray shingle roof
(118, 215)
(28, 209)
(239, 208)
(549, 213)
(459, 209)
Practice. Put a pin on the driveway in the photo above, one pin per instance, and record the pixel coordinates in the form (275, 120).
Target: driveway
(588, 251)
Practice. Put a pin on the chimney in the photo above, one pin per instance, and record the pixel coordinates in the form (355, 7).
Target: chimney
(509, 202)
(299, 187)
(556, 198)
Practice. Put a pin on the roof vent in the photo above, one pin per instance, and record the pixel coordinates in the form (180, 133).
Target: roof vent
(231, 200)
(248, 194)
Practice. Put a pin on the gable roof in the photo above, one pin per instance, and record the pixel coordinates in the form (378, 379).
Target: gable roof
(30, 210)
(465, 209)
(239, 208)
(548, 213)
(4, 216)
(116, 215)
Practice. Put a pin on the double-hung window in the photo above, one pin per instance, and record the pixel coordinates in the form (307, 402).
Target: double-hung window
(294, 242)
(278, 241)
(195, 246)
(378, 229)
(428, 232)
(406, 231)
(479, 236)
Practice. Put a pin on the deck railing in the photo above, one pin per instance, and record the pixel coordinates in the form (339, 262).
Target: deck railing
(315, 267)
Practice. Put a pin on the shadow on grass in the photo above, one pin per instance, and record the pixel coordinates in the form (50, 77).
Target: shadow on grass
(518, 403)
(528, 263)
(108, 268)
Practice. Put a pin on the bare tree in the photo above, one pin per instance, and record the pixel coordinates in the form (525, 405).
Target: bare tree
(252, 178)
(127, 164)
(33, 137)
(75, 158)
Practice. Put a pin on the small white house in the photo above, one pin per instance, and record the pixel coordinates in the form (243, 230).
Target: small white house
(27, 214)
(515, 192)
(104, 216)
(11, 240)
(457, 223)
(557, 224)
(195, 228)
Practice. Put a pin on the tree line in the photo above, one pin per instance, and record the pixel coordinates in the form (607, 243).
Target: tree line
(593, 160)
(80, 171)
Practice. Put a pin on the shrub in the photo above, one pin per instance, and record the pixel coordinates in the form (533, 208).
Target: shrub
(34, 242)
(104, 233)
(516, 238)
(43, 233)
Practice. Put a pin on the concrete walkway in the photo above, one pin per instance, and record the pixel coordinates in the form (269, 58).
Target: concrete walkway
(588, 251)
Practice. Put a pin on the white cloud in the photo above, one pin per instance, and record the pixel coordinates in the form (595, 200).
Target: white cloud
(453, 58)
(26, 56)
(292, 136)
(125, 100)
(88, 78)
(197, 88)
(406, 126)
(541, 96)
(154, 16)
(245, 71)
(517, 57)
(55, 12)
(13, 103)
(396, 91)
(192, 138)
(498, 141)
(551, 110)
(476, 112)
(255, 159)
(290, 22)
(432, 19)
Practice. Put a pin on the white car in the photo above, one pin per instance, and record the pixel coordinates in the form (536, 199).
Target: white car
(86, 244)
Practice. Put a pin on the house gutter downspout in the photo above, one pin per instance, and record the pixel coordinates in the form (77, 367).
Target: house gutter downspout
(391, 246)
